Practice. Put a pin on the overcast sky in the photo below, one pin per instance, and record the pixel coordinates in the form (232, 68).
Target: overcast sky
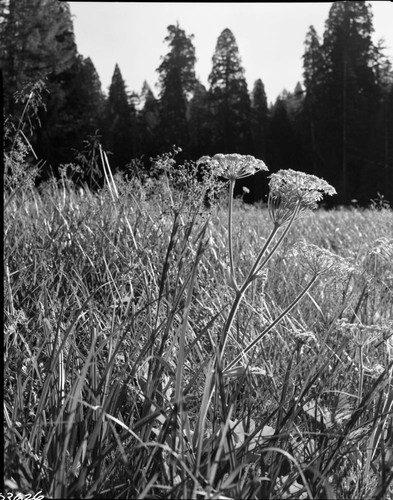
(270, 37)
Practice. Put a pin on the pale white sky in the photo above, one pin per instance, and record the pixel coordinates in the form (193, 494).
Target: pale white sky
(270, 37)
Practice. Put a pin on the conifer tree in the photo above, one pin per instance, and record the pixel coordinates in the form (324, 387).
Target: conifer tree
(282, 149)
(149, 106)
(259, 119)
(120, 122)
(229, 98)
(199, 120)
(74, 111)
(312, 111)
(176, 82)
(351, 91)
(148, 120)
(36, 40)
(312, 62)
(343, 92)
(379, 172)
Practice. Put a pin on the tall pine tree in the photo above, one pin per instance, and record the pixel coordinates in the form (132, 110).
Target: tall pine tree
(148, 119)
(312, 111)
(36, 40)
(259, 119)
(199, 119)
(229, 99)
(342, 90)
(348, 52)
(259, 132)
(380, 145)
(176, 82)
(74, 111)
(120, 122)
(282, 152)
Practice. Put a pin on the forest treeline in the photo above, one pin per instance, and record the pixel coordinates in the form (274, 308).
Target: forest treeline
(336, 124)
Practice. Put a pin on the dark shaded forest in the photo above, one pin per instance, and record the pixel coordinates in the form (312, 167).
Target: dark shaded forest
(336, 124)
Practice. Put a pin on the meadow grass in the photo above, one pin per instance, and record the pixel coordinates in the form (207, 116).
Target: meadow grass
(150, 352)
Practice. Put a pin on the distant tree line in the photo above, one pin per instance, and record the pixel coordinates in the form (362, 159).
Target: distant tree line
(338, 124)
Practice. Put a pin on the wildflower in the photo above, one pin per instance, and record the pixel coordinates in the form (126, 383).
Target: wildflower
(291, 190)
(234, 166)
(318, 260)
(383, 247)
(365, 334)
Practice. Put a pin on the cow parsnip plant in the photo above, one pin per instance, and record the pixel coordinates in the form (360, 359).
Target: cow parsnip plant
(161, 343)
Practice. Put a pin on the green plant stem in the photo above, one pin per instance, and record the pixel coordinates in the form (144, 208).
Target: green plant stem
(253, 274)
(182, 333)
(272, 325)
(229, 321)
(20, 123)
(257, 267)
(230, 210)
(361, 372)
(239, 295)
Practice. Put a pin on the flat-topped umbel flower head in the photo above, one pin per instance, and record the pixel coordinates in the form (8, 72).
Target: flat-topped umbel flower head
(234, 166)
(291, 190)
(317, 260)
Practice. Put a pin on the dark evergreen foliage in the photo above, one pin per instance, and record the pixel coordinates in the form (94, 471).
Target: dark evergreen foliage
(259, 119)
(281, 136)
(176, 81)
(229, 100)
(120, 132)
(37, 43)
(259, 124)
(343, 96)
(339, 126)
(312, 111)
(199, 122)
(36, 40)
(74, 109)
(148, 124)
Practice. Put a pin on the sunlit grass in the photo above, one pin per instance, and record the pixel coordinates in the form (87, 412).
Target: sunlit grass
(116, 304)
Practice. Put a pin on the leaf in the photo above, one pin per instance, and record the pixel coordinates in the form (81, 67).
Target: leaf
(241, 435)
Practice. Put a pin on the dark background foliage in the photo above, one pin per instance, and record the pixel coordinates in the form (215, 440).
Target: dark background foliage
(337, 123)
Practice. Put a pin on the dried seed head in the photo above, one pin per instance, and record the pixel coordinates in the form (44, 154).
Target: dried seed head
(234, 166)
(384, 248)
(362, 334)
(318, 260)
(290, 190)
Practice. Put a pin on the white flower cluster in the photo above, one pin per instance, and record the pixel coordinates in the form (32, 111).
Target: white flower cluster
(234, 166)
(318, 260)
(291, 190)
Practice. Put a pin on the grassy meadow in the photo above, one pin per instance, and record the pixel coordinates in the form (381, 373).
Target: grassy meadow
(151, 352)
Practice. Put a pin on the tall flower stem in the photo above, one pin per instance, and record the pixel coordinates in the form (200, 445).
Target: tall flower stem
(230, 245)
(361, 372)
(257, 267)
(229, 321)
(273, 324)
